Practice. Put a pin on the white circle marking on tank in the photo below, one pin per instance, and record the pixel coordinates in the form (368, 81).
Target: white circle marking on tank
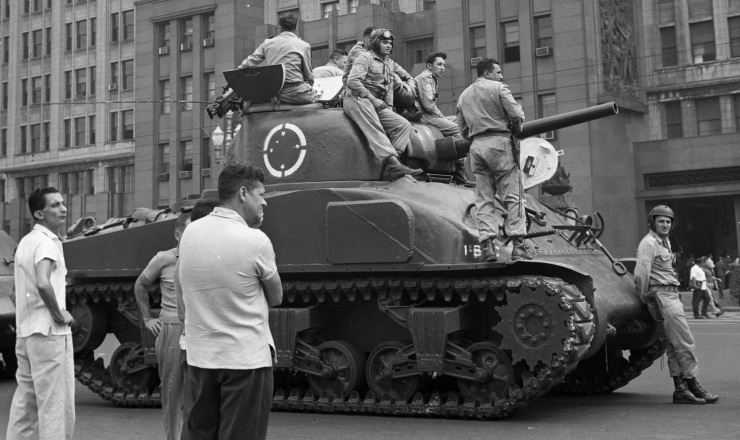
(268, 148)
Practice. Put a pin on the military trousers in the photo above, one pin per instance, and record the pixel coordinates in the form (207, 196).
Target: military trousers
(169, 356)
(496, 172)
(298, 95)
(680, 346)
(447, 126)
(43, 405)
(387, 133)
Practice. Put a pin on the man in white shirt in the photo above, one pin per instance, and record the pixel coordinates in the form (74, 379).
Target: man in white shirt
(699, 284)
(335, 66)
(229, 280)
(44, 402)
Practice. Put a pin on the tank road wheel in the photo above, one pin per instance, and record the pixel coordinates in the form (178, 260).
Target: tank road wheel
(486, 355)
(349, 368)
(89, 329)
(379, 368)
(122, 379)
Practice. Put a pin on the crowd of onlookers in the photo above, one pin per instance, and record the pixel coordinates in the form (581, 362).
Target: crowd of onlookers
(711, 278)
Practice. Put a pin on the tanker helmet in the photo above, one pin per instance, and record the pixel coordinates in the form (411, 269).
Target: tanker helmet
(378, 35)
(662, 210)
(403, 98)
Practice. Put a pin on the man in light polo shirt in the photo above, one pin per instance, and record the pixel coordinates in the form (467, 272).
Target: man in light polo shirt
(43, 405)
(167, 328)
(229, 280)
(699, 284)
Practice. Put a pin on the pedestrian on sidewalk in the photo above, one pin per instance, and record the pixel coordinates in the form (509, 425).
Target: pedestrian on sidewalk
(657, 284)
(698, 284)
(43, 405)
(713, 306)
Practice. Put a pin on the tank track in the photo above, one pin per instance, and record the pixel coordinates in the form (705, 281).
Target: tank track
(593, 378)
(537, 380)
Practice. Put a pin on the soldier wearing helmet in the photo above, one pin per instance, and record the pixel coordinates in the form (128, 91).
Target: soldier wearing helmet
(657, 284)
(369, 101)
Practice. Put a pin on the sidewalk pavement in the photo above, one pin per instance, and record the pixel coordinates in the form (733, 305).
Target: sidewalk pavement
(728, 304)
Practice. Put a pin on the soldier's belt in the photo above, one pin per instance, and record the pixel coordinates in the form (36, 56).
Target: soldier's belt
(659, 288)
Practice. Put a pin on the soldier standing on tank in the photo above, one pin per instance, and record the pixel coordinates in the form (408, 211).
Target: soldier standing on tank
(369, 102)
(167, 328)
(488, 114)
(293, 53)
(657, 284)
(427, 83)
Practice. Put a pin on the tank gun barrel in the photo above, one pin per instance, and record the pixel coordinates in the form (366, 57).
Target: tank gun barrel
(556, 122)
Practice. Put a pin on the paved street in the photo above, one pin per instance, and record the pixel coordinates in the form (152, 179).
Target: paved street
(642, 410)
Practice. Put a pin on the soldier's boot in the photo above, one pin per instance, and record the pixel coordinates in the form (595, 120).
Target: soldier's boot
(700, 392)
(682, 393)
(398, 170)
(460, 176)
(520, 252)
(489, 251)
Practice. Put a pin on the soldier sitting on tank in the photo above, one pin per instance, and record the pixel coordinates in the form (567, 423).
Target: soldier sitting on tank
(427, 83)
(369, 101)
(402, 78)
(335, 66)
(292, 52)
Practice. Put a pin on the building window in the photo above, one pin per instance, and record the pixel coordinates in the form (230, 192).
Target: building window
(69, 37)
(7, 9)
(93, 84)
(326, 8)
(734, 25)
(127, 74)
(120, 179)
(81, 34)
(6, 50)
(352, 6)
(93, 32)
(187, 35)
(47, 136)
(77, 182)
(702, 41)
(3, 142)
(210, 24)
(24, 139)
(210, 87)
(24, 92)
(27, 185)
(708, 116)
(127, 117)
(2, 195)
(26, 6)
(80, 131)
(67, 133)
(114, 73)
(187, 92)
(91, 129)
(164, 158)
(81, 82)
(668, 46)
(114, 126)
(26, 49)
(36, 90)
(547, 106)
(319, 55)
(478, 42)
(114, 27)
(429, 5)
(47, 50)
(5, 96)
(674, 123)
(666, 12)
(68, 84)
(164, 87)
(128, 25)
(511, 41)
(418, 50)
(164, 39)
(186, 152)
(543, 29)
(35, 138)
(37, 38)
(47, 88)
(205, 153)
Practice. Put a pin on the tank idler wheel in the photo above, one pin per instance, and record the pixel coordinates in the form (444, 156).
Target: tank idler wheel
(345, 373)
(379, 369)
(486, 355)
(90, 326)
(120, 375)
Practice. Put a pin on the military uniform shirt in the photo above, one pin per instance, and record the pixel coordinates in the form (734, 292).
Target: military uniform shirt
(371, 75)
(357, 50)
(487, 106)
(427, 84)
(654, 264)
(327, 71)
(289, 50)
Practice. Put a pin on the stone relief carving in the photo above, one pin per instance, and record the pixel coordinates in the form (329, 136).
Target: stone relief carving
(618, 49)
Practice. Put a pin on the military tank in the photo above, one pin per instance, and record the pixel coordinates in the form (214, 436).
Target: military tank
(387, 308)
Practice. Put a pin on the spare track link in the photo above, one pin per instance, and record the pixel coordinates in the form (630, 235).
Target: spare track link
(592, 377)
(91, 372)
(535, 383)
